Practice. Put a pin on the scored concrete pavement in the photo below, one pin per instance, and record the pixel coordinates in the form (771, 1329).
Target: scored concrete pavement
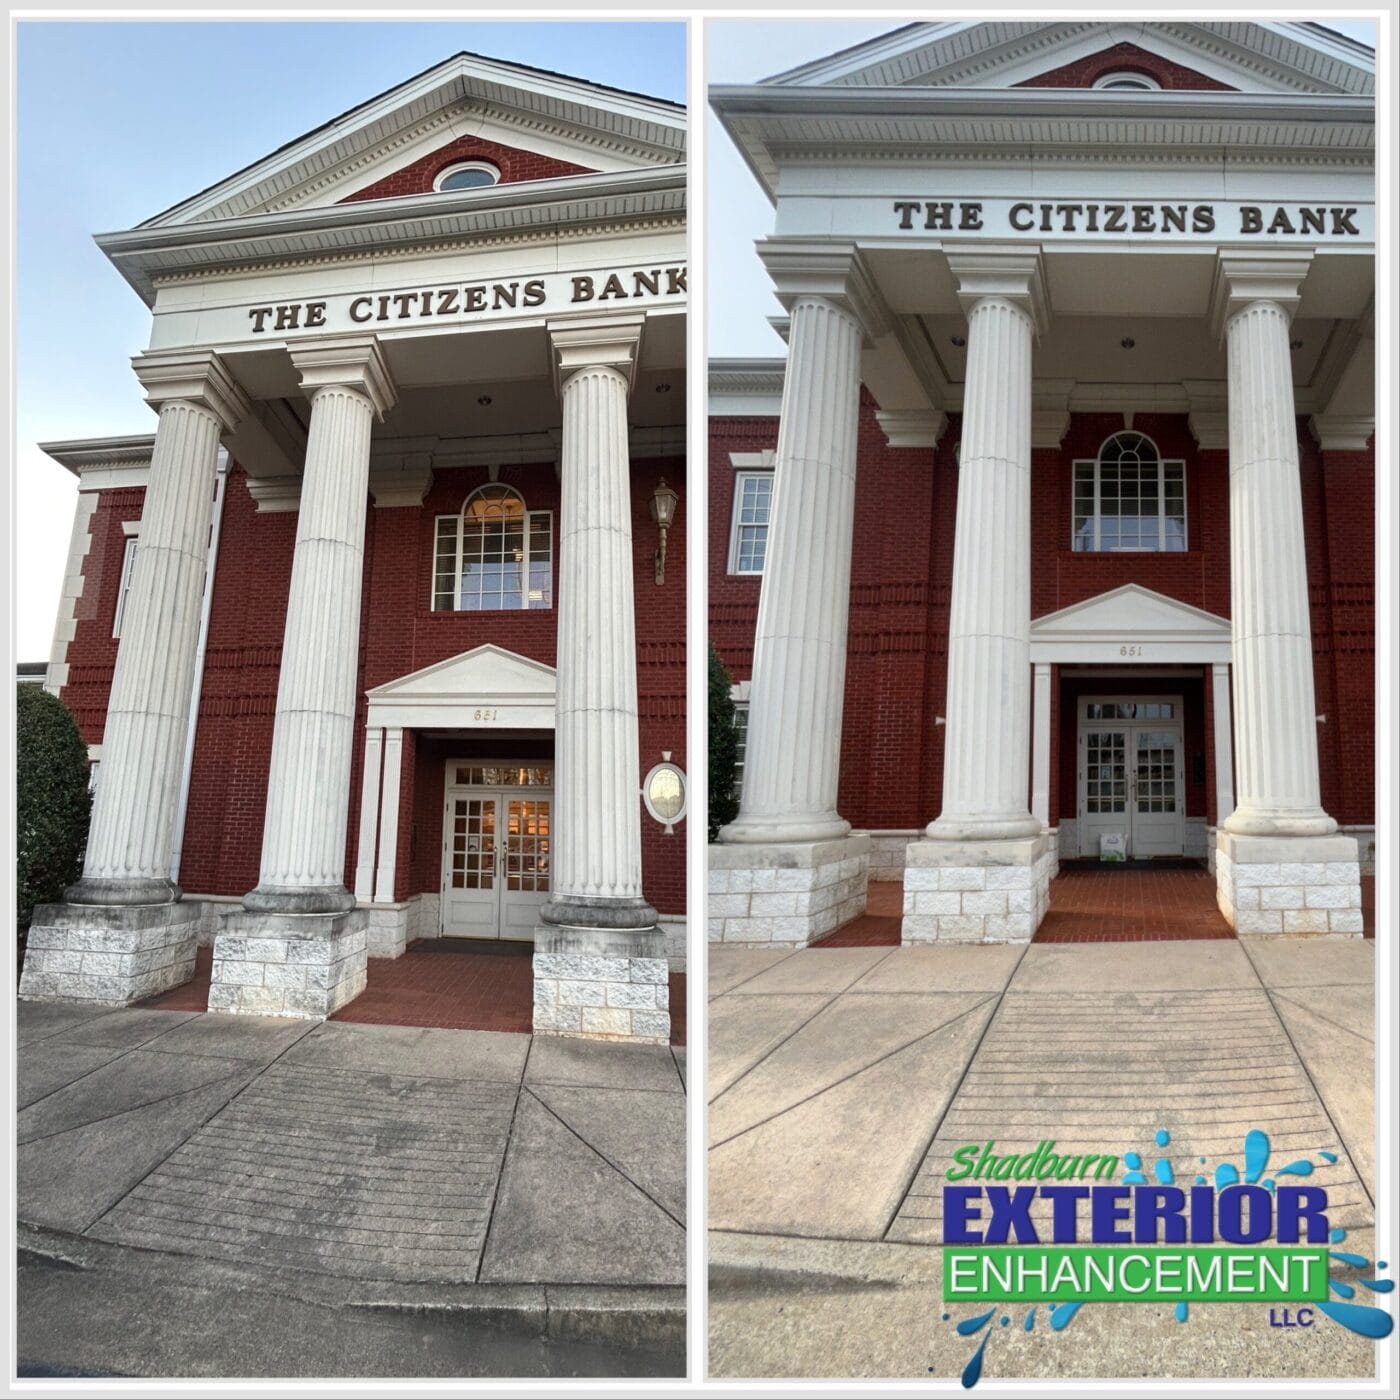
(860, 1089)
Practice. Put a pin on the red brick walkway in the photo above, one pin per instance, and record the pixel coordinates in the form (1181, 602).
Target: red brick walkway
(1091, 904)
(465, 986)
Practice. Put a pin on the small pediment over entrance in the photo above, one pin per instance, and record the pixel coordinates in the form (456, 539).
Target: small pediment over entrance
(1132, 625)
(485, 688)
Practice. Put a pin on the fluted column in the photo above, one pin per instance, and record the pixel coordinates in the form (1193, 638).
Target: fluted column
(792, 761)
(1275, 713)
(308, 795)
(596, 881)
(133, 820)
(986, 756)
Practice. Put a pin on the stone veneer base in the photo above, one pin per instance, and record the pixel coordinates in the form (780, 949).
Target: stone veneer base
(976, 891)
(109, 955)
(1305, 885)
(787, 894)
(300, 965)
(602, 984)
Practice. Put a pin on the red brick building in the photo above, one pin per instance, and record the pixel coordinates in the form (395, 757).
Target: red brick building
(1080, 429)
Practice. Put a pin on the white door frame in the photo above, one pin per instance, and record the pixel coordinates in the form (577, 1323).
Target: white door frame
(1129, 727)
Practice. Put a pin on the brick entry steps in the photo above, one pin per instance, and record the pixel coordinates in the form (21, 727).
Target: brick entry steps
(454, 985)
(1089, 904)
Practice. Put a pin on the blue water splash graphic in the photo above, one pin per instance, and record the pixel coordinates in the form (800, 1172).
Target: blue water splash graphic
(1162, 1169)
(1343, 1290)
(1336, 1235)
(1061, 1314)
(1183, 1311)
(1302, 1167)
(1378, 1285)
(1030, 1321)
(1360, 1318)
(1357, 1261)
(972, 1372)
(1163, 1137)
(1226, 1174)
(1328, 1156)
(1256, 1154)
(969, 1325)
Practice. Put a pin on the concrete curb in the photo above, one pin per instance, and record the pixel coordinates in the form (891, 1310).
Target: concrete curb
(739, 1261)
(647, 1318)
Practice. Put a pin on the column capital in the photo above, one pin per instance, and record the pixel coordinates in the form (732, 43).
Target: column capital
(834, 272)
(583, 342)
(1014, 275)
(194, 376)
(1208, 414)
(346, 361)
(1241, 279)
(911, 427)
(1337, 433)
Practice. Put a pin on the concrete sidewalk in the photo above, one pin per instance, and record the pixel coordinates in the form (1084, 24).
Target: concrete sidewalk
(841, 1080)
(495, 1166)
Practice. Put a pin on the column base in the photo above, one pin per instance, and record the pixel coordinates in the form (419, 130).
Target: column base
(1303, 885)
(290, 899)
(602, 984)
(108, 955)
(789, 894)
(122, 893)
(298, 965)
(976, 891)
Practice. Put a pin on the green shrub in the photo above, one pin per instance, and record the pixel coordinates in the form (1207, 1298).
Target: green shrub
(724, 747)
(52, 803)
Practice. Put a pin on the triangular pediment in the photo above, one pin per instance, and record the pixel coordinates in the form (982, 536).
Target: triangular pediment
(540, 126)
(486, 674)
(1276, 57)
(1131, 611)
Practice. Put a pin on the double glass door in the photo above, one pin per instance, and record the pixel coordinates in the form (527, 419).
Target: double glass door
(1130, 778)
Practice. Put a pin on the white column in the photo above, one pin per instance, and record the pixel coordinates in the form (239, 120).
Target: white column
(1275, 716)
(792, 762)
(986, 756)
(369, 815)
(308, 796)
(133, 820)
(1224, 747)
(597, 853)
(389, 817)
(1040, 746)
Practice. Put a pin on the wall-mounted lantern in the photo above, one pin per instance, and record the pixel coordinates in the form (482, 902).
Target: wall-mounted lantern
(663, 511)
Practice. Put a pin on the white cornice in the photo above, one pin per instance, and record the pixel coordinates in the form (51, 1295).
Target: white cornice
(83, 456)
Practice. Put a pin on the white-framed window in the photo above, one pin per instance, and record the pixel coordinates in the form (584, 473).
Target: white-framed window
(124, 586)
(748, 539)
(741, 746)
(1128, 498)
(467, 175)
(1127, 82)
(493, 554)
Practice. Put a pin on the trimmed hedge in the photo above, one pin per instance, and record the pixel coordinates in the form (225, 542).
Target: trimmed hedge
(52, 803)
(724, 747)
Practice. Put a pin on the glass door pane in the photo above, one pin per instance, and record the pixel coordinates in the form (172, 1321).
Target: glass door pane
(527, 845)
(1106, 775)
(1155, 756)
(474, 843)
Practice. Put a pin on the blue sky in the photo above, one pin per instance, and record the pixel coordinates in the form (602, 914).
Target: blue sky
(118, 121)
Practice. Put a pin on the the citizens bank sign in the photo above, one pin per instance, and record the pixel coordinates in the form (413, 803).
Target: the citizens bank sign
(1077, 219)
(459, 301)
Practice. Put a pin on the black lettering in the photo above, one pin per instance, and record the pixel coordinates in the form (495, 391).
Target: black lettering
(473, 298)
(315, 313)
(1251, 219)
(1312, 221)
(1016, 210)
(1045, 218)
(675, 280)
(504, 294)
(447, 301)
(970, 216)
(647, 282)
(583, 289)
(1067, 213)
(1091, 213)
(534, 292)
(427, 307)
(1174, 214)
(1341, 222)
(1116, 221)
(1281, 222)
(1144, 218)
(938, 216)
(404, 301)
(1203, 219)
(906, 209)
(288, 316)
(259, 315)
(383, 309)
(613, 288)
(366, 303)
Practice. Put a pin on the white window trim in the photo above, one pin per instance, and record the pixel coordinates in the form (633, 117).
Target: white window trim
(132, 530)
(740, 476)
(456, 166)
(740, 695)
(1162, 464)
(530, 517)
(1140, 82)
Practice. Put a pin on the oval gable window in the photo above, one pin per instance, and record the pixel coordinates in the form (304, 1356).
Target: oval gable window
(468, 175)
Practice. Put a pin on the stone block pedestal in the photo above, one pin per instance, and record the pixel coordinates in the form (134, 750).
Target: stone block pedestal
(110, 955)
(976, 891)
(786, 894)
(1289, 884)
(303, 965)
(602, 984)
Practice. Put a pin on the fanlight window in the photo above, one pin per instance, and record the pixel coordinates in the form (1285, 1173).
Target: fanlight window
(1128, 498)
(494, 555)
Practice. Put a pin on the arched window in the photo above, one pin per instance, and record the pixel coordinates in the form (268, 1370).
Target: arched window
(467, 175)
(1128, 82)
(1128, 498)
(494, 554)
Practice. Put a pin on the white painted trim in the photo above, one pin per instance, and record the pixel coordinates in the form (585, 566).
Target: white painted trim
(754, 461)
(129, 548)
(1224, 744)
(667, 823)
(66, 620)
(1105, 629)
(739, 478)
(490, 167)
(1040, 744)
(456, 693)
(389, 817)
(369, 815)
